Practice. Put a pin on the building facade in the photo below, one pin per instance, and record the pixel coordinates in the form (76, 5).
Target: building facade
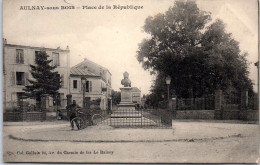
(16, 71)
(97, 85)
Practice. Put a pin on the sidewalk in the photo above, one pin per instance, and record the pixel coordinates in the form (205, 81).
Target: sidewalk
(181, 131)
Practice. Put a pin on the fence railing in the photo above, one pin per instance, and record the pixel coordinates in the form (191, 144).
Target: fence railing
(234, 99)
(14, 106)
(205, 103)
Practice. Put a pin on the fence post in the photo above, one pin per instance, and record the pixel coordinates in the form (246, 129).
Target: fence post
(256, 102)
(244, 105)
(218, 105)
(174, 107)
(44, 105)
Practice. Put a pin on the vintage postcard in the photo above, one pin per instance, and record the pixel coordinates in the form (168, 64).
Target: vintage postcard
(130, 81)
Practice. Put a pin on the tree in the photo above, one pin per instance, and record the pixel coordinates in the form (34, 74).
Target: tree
(46, 80)
(116, 97)
(199, 58)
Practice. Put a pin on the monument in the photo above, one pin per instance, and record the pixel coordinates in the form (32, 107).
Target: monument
(126, 108)
(126, 114)
(126, 94)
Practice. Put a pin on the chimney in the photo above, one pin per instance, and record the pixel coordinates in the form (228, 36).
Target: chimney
(4, 41)
(68, 48)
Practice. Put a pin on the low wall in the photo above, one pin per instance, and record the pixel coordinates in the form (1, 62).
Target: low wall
(252, 115)
(195, 114)
(24, 116)
(231, 114)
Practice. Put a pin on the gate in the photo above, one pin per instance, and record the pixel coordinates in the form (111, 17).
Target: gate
(140, 118)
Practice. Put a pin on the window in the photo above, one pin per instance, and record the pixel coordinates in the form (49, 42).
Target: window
(75, 84)
(19, 56)
(88, 86)
(61, 78)
(36, 55)
(55, 59)
(20, 78)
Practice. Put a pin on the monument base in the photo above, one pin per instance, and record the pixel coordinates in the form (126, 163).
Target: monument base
(126, 110)
(126, 106)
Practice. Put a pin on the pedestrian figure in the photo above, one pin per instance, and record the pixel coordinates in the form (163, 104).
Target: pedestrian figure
(72, 113)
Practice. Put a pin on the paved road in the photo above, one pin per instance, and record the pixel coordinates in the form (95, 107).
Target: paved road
(187, 142)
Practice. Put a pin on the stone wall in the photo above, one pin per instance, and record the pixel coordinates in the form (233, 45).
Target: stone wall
(231, 114)
(252, 115)
(21, 116)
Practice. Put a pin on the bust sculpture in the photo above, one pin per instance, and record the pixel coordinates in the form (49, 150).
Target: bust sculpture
(126, 82)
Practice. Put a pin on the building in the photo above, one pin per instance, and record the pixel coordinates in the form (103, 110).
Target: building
(98, 84)
(16, 71)
(136, 95)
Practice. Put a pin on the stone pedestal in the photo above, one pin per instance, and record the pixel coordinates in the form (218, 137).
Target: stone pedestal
(126, 99)
(126, 108)
(44, 105)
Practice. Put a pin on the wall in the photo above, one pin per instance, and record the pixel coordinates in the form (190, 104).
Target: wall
(20, 116)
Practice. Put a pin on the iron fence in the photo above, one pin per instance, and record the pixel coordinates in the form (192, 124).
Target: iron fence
(204, 103)
(142, 118)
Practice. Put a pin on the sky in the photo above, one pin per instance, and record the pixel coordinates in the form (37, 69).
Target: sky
(110, 37)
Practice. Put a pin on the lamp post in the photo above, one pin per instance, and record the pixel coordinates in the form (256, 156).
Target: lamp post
(83, 80)
(168, 81)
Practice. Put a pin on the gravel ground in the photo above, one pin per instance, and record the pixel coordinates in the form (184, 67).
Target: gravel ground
(186, 142)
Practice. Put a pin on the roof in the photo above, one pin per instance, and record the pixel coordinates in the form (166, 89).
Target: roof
(86, 61)
(35, 47)
(78, 71)
(135, 89)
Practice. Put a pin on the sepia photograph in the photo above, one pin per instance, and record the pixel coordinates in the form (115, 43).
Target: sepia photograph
(130, 81)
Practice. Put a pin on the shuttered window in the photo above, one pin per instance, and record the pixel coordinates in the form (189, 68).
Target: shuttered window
(90, 86)
(87, 86)
(62, 80)
(56, 59)
(19, 56)
(36, 55)
(20, 80)
(12, 78)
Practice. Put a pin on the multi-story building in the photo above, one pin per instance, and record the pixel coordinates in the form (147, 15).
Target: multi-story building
(98, 83)
(16, 71)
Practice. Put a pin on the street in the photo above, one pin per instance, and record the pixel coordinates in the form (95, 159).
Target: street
(186, 142)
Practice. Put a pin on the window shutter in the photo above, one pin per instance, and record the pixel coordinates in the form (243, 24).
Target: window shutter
(62, 80)
(17, 56)
(23, 79)
(26, 78)
(22, 57)
(12, 80)
(90, 86)
(80, 86)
